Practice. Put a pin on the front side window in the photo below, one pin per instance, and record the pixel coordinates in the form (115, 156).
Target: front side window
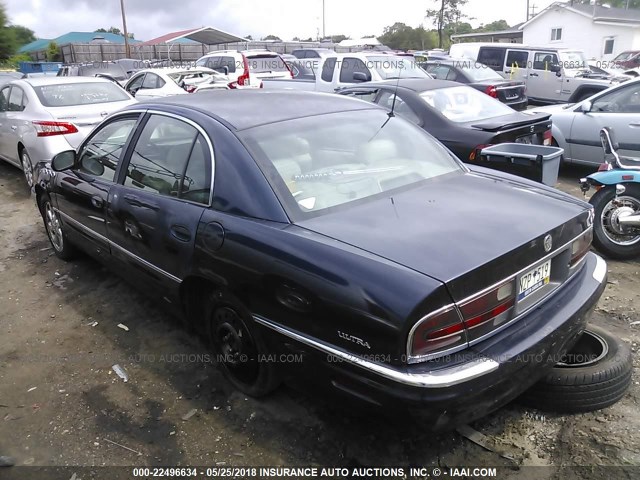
(622, 100)
(325, 161)
(170, 158)
(464, 104)
(544, 61)
(328, 68)
(101, 154)
(352, 66)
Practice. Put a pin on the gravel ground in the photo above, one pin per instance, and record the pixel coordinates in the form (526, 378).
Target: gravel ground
(61, 404)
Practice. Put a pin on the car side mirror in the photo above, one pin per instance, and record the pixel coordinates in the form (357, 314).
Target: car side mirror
(63, 160)
(555, 68)
(360, 77)
(586, 107)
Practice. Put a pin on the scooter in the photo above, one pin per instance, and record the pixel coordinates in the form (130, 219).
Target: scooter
(616, 201)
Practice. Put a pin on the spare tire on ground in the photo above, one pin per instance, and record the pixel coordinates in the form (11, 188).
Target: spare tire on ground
(594, 374)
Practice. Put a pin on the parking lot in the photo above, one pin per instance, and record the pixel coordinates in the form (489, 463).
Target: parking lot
(62, 404)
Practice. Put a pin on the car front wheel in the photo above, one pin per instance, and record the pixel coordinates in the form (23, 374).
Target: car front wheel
(27, 167)
(52, 223)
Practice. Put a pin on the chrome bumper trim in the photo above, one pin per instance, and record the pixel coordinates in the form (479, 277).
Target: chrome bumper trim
(442, 378)
(600, 271)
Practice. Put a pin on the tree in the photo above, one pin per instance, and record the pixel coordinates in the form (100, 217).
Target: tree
(338, 38)
(272, 37)
(53, 52)
(248, 37)
(7, 38)
(22, 35)
(496, 26)
(403, 37)
(448, 12)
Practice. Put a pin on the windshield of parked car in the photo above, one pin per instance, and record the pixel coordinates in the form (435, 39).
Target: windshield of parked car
(478, 72)
(113, 70)
(625, 56)
(464, 104)
(391, 67)
(266, 64)
(573, 60)
(70, 94)
(324, 161)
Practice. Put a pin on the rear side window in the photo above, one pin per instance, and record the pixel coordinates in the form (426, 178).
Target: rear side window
(4, 99)
(229, 62)
(171, 158)
(266, 64)
(492, 57)
(368, 95)
(442, 72)
(153, 81)
(328, 68)
(15, 100)
(517, 59)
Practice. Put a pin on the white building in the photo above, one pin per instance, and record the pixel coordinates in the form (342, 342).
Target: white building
(601, 32)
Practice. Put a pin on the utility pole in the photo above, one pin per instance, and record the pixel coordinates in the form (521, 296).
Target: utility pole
(127, 50)
(528, 10)
(324, 33)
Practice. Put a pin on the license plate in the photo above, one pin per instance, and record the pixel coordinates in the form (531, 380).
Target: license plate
(534, 279)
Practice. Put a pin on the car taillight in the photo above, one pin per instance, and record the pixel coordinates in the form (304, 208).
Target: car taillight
(605, 167)
(548, 137)
(243, 80)
(580, 248)
(436, 334)
(489, 310)
(190, 88)
(261, 84)
(475, 153)
(46, 128)
(492, 91)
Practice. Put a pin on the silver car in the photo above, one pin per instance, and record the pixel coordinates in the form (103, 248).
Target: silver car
(576, 127)
(43, 116)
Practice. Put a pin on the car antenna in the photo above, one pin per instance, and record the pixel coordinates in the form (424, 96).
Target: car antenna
(395, 95)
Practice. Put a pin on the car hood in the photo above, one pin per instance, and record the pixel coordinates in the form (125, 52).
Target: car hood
(468, 230)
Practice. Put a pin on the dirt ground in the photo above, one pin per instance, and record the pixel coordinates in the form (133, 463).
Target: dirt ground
(61, 404)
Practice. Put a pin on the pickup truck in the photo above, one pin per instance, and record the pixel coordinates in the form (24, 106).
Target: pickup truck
(337, 71)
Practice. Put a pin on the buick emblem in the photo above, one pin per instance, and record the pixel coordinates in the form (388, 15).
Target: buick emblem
(548, 243)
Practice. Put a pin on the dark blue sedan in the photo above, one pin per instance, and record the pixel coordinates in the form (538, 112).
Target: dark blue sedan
(318, 237)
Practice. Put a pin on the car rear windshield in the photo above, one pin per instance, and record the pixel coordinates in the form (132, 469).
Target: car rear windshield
(266, 64)
(69, 94)
(113, 70)
(390, 67)
(478, 72)
(625, 56)
(464, 104)
(324, 161)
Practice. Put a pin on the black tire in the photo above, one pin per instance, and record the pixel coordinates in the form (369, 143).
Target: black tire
(239, 345)
(596, 374)
(601, 240)
(62, 247)
(27, 167)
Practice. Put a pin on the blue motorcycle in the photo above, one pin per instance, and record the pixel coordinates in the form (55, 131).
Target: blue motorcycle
(616, 201)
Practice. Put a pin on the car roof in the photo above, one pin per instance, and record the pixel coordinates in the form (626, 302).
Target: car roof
(243, 109)
(46, 80)
(414, 84)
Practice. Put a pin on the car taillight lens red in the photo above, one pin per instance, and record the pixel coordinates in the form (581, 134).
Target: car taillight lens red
(580, 247)
(475, 153)
(487, 311)
(492, 91)
(48, 129)
(547, 137)
(190, 88)
(243, 80)
(438, 332)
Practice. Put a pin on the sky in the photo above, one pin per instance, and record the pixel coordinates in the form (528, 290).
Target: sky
(285, 18)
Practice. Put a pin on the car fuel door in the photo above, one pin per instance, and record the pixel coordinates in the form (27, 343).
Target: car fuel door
(163, 189)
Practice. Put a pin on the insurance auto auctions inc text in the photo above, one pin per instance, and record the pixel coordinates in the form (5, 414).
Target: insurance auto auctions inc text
(375, 472)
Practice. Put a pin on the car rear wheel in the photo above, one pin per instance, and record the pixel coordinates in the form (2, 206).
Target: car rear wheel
(594, 374)
(52, 223)
(27, 167)
(241, 350)
(610, 237)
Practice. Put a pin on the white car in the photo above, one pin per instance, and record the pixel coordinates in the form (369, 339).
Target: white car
(576, 127)
(163, 82)
(43, 116)
(248, 68)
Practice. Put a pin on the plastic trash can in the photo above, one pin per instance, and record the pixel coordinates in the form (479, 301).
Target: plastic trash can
(536, 162)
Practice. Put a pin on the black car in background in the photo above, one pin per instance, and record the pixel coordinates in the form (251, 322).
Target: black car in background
(459, 116)
(328, 229)
(480, 77)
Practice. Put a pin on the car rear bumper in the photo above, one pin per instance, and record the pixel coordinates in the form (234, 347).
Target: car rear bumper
(473, 383)
(518, 105)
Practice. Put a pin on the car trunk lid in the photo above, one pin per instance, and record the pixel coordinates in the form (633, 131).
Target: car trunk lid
(469, 231)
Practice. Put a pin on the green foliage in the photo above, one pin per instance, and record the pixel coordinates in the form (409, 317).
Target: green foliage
(22, 35)
(272, 37)
(403, 37)
(14, 61)
(7, 38)
(53, 52)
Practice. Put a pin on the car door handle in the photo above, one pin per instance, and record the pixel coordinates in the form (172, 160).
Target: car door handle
(533, 74)
(136, 202)
(180, 232)
(97, 202)
(14, 128)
